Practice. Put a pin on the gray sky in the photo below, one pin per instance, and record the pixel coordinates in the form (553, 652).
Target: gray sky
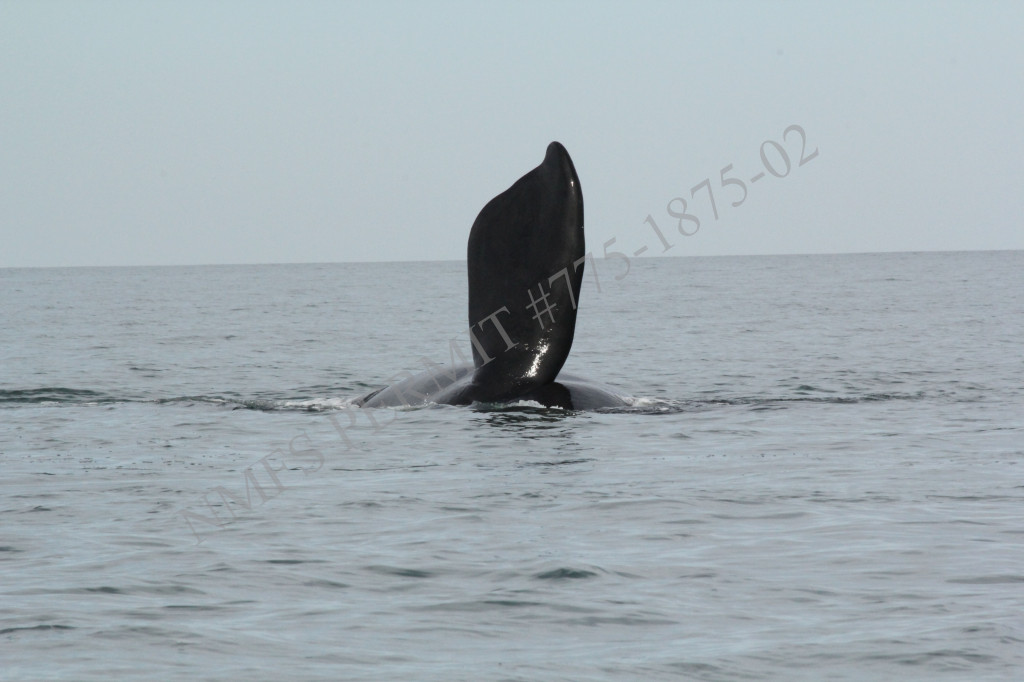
(138, 133)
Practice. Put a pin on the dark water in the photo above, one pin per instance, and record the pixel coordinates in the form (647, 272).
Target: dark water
(821, 477)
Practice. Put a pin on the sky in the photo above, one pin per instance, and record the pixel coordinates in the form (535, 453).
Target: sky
(173, 133)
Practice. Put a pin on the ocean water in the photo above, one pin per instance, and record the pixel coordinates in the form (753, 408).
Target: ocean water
(821, 476)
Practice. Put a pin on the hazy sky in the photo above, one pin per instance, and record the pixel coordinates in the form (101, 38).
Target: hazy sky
(137, 133)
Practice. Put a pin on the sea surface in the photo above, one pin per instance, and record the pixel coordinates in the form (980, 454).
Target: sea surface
(820, 476)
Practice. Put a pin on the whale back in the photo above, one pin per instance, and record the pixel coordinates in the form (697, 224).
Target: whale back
(525, 261)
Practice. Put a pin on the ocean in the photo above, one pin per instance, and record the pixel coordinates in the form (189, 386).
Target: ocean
(820, 475)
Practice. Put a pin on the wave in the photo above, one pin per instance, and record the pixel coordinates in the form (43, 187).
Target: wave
(642, 405)
(56, 395)
(64, 396)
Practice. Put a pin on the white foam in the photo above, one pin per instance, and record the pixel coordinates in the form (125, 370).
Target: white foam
(319, 404)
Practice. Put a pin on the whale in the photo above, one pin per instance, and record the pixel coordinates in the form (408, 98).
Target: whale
(525, 260)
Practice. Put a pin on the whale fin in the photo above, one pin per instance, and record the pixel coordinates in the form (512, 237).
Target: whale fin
(525, 262)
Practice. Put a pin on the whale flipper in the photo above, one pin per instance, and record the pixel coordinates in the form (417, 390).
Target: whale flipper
(525, 260)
